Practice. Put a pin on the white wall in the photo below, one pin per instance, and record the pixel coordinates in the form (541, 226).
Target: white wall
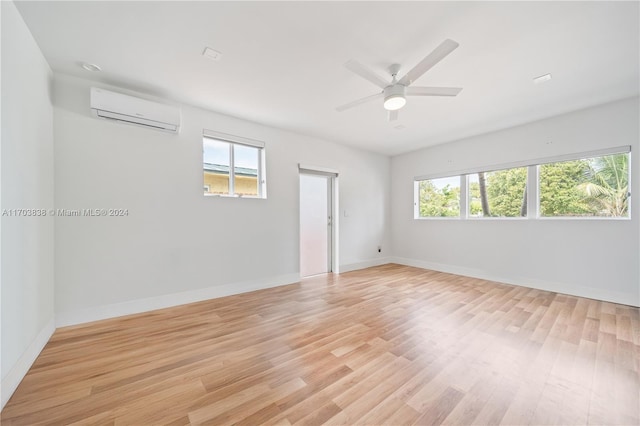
(177, 245)
(27, 182)
(590, 258)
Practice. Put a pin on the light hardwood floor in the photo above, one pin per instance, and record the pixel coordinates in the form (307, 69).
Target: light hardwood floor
(389, 345)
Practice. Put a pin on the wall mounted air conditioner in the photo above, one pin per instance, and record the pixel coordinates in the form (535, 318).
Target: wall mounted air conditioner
(136, 111)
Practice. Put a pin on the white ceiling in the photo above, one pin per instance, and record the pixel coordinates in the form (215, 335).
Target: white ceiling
(282, 62)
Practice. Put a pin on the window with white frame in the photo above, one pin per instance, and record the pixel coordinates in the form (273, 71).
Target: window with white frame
(588, 185)
(439, 197)
(233, 166)
(498, 193)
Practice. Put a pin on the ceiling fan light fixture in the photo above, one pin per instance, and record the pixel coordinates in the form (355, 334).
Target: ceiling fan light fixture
(393, 103)
(395, 94)
(394, 97)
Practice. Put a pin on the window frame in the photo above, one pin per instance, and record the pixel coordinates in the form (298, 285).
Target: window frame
(463, 207)
(533, 186)
(234, 140)
(468, 196)
(585, 157)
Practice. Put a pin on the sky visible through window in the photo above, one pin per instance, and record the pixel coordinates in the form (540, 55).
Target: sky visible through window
(217, 152)
(245, 156)
(440, 183)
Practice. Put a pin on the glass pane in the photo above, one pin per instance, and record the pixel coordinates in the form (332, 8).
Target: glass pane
(314, 232)
(216, 166)
(440, 197)
(500, 193)
(246, 160)
(586, 188)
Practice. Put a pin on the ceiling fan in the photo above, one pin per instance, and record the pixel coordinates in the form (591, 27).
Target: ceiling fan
(395, 93)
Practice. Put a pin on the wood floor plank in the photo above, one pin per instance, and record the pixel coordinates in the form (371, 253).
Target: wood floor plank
(388, 345)
(437, 411)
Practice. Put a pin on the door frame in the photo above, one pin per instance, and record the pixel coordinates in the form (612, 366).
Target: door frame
(332, 176)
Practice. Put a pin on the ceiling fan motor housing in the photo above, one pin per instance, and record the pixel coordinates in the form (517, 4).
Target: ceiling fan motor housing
(394, 97)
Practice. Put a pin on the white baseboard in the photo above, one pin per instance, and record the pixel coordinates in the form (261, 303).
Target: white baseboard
(13, 378)
(556, 287)
(97, 313)
(366, 264)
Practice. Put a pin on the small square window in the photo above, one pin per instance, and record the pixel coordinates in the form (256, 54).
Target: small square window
(232, 169)
(439, 197)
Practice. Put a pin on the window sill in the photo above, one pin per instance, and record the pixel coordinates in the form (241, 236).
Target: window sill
(438, 218)
(253, 197)
(492, 219)
(607, 218)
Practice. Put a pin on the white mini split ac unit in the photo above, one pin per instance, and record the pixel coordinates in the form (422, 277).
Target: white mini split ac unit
(136, 111)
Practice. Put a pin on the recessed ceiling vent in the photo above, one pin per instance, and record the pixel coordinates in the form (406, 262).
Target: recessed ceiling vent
(212, 54)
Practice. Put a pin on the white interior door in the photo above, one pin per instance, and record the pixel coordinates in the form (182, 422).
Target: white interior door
(315, 224)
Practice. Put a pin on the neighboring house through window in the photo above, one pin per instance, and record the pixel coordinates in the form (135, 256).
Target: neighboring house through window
(233, 166)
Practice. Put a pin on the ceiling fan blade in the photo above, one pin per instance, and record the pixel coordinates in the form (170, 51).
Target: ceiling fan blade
(359, 101)
(429, 61)
(433, 91)
(366, 73)
(392, 115)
